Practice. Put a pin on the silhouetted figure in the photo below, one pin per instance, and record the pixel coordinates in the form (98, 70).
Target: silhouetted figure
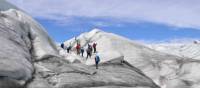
(94, 46)
(91, 48)
(78, 47)
(89, 53)
(82, 51)
(62, 45)
(69, 48)
(97, 60)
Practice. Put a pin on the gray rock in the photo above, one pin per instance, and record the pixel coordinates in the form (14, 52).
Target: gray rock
(116, 87)
(22, 41)
(111, 73)
(15, 51)
(39, 83)
(9, 83)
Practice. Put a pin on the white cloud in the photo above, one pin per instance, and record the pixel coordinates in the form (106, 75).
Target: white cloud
(179, 13)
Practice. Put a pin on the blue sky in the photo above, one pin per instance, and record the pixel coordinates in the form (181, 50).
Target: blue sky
(136, 31)
(145, 20)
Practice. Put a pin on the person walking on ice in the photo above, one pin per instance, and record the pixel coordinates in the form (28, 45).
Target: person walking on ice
(97, 60)
(62, 45)
(69, 48)
(82, 51)
(95, 47)
(89, 51)
(78, 47)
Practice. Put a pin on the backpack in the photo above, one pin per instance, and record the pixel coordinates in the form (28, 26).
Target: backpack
(88, 50)
(97, 58)
(62, 45)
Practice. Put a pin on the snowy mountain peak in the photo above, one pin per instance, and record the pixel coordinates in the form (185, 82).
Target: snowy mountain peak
(95, 31)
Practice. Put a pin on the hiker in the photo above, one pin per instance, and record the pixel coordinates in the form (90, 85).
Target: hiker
(89, 45)
(69, 48)
(88, 53)
(62, 45)
(94, 46)
(82, 51)
(90, 48)
(97, 60)
(78, 47)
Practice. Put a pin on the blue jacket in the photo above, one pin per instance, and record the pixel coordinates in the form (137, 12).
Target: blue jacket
(97, 59)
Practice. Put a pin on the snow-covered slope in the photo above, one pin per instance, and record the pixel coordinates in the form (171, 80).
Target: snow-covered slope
(115, 46)
(190, 50)
(167, 70)
(112, 46)
(189, 69)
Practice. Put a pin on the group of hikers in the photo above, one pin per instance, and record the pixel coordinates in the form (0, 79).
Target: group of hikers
(91, 48)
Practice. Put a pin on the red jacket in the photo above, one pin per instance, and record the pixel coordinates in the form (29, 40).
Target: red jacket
(78, 46)
(94, 45)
